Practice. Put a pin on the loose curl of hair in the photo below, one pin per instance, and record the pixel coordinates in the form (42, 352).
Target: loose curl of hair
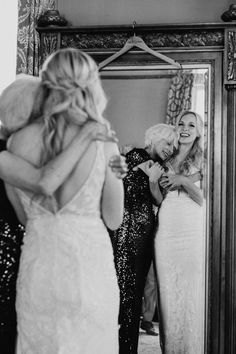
(195, 155)
(72, 93)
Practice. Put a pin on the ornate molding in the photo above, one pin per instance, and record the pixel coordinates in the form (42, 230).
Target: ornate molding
(230, 87)
(230, 56)
(230, 14)
(154, 39)
(49, 44)
(112, 38)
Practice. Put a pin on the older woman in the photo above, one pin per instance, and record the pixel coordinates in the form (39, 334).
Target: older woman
(179, 244)
(133, 241)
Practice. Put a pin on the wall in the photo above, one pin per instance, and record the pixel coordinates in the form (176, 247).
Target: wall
(115, 12)
(8, 20)
(134, 106)
(139, 101)
(130, 120)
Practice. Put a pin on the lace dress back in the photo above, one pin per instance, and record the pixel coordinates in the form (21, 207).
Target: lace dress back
(67, 292)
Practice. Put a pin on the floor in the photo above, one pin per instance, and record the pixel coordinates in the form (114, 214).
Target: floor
(148, 344)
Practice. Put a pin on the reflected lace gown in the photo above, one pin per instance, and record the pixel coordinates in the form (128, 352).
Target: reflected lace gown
(179, 251)
(67, 291)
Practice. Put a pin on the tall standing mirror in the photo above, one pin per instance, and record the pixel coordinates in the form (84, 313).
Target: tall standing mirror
(143, 91)
(140, 97)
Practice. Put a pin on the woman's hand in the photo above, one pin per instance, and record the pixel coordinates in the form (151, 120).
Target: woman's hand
(99, 131)
(155, 172)
(171, 181)
(144, 166)
(118, 165)
(152, 169)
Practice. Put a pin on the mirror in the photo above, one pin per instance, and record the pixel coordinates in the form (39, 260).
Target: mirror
(142, 96)
(197, 46)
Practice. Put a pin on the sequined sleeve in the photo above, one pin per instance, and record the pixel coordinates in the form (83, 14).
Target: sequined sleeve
(11, 235)
(136, 183)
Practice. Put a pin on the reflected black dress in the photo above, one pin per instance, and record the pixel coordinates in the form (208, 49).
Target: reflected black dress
(11, 234)
(133, 249)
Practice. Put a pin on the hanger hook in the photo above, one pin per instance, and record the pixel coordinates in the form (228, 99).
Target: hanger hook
(134, 24)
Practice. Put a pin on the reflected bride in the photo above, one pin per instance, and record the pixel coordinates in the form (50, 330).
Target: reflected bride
(179, 245)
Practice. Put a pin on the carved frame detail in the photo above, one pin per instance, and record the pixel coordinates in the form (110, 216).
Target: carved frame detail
(230, 56)
(112, 38)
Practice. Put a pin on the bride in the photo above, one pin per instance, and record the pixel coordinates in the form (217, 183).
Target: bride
(67, 293)
(179, 244)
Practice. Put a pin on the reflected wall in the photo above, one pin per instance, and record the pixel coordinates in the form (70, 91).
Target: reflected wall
(138, 98)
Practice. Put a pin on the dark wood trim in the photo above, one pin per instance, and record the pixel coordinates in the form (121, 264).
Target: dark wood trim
(230, 308)
(155, 35)
(138, 27)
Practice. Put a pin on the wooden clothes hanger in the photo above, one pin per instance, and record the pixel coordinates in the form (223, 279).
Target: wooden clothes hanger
(136, 41)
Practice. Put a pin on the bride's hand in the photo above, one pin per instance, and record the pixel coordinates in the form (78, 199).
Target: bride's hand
(171, 181)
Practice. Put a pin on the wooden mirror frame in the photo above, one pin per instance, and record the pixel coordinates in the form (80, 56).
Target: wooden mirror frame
(213, 43)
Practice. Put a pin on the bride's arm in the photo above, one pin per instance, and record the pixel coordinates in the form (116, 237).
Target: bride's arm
(112, 205)
(176, 181)
(21, 174)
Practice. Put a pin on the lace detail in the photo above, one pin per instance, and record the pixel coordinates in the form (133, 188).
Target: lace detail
(67, 292)
(179, 249)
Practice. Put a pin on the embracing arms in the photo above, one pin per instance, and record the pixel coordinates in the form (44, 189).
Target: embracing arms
(177, 181)
(158, 177)
(154, 171)
(46, 180)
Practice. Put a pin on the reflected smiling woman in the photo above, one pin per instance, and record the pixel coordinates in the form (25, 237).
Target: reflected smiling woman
(179, 244)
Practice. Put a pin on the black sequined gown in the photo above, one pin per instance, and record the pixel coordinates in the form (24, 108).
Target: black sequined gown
(11, 234)
(133, 249)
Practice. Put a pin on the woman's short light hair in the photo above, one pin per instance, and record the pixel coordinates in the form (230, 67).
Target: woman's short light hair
(161, 131)
(17, 102)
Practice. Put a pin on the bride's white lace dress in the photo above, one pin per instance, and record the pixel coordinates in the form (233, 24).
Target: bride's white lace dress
(179, 251)
(67, 292)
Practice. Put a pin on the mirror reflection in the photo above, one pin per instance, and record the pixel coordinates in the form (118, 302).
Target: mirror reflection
(170, 273)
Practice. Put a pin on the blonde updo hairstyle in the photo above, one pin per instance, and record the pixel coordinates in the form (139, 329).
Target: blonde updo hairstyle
(156, 133)
(73, 94)
(195, 155)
